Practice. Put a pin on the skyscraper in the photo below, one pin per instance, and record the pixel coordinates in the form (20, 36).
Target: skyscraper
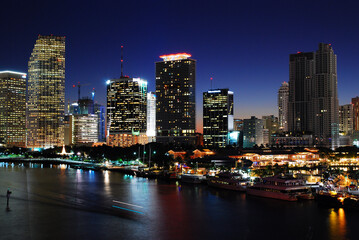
(12, 109)
(283, 100)
(151, 117)
(46, 93)
(217, 117)
(176, 105)
(301, 73)
(126, 111)
(325, 97)
(355, 103)
(313, 98)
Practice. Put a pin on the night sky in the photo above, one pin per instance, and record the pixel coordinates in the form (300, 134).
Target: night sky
(243, 45)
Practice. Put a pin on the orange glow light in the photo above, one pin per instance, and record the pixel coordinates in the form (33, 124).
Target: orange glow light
(177, 56)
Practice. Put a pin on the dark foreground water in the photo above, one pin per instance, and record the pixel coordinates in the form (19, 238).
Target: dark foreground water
(64, 203)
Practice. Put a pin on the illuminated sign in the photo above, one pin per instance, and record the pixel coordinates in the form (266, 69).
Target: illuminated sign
(177, 56)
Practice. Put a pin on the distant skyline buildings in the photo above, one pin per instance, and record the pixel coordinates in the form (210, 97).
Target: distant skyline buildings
(217, 117)
(176, 99)
(12, 109)
(46, 93)
(151, 116)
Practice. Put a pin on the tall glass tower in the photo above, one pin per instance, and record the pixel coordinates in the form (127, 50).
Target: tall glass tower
(217, 117)
(175, 104)
(12, 109)
(46, 93)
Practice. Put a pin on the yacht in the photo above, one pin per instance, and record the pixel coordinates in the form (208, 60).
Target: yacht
(192, 178)
(281, 187)
(230, 181)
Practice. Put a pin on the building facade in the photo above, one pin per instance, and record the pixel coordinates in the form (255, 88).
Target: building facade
(252, 132)
(346, 119)
(46, 93)
(12, 109)
(126, 111)
(176, 100)
(283, 101)
(217, 117)
(151, 117)
(355, 103)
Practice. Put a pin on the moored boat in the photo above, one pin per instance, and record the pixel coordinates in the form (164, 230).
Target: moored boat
(281, 187)
(230, 181)
(192, 178)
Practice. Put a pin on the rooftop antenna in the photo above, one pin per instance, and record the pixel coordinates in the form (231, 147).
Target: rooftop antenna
(211, 82)
(79, 92)
(121, 61)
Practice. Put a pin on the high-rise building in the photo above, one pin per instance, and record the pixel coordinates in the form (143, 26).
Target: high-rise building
(313, 98)
(100, 111)
(81, 129)
(126, 111)
(12, 109)
(217, 117)
(252, 132)
(301, 73)
(355, 103)
(325, 97)
(283, 101)
(86, 105)
(175, 103)
(151, 117)
(271, 123)
(46, 93)
(346, 119)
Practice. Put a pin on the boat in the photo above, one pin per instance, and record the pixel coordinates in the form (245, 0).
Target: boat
(281, 187)
(230, 181)
(192, 178)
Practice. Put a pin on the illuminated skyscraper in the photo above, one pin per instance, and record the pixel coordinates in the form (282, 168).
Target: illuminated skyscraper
(151, 117)
(217, 117)
(176, 105)
(325, 97)
(126, 111)
(12, 109)
(283, 97)
(46, 93)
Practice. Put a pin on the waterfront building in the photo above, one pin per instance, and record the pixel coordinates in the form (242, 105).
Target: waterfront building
(126, 111)
(252, 132)
(12, 109)
(217, 117)
(46, 93)
(175, 103)
(346, 119)
(355, 103)
(283, 101)
(151, 117)
(293, 141)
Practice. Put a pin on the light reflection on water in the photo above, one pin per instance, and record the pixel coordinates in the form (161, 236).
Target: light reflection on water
(49, 197)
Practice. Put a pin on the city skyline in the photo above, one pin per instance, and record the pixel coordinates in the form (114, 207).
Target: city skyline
(247, 43)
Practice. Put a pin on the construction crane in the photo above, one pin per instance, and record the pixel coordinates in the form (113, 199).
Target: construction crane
(79, 88)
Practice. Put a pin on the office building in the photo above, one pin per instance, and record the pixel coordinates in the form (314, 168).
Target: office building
(217, 117)
(355, 103)
(81, 129)
(12, 109)
(175, 103)
(46, 93)
(252, 132)
(126, 111)
(283, 101)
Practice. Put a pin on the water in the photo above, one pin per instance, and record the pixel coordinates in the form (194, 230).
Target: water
(65, 203)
